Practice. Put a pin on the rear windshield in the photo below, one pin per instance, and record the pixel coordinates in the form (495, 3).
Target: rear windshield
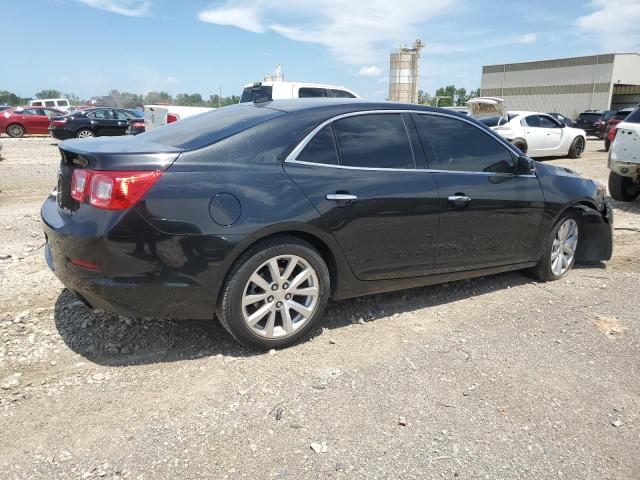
(492, 120)
(207, 128)
(634, 117)
(249, 94)
(589, 116)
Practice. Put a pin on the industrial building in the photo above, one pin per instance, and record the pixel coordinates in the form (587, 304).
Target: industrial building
(404, 74)
(567, 85)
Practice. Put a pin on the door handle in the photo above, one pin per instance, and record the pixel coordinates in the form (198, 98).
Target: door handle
(459, 200)
(340, 197)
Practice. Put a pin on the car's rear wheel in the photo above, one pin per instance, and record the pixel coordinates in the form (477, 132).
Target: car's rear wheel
(521, 143)
(559, 250)
(622, 188)
(577, 147)
(275, 293)
(85, 133)
(15, 130)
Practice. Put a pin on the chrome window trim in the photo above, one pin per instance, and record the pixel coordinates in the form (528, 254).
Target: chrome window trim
(293, 156)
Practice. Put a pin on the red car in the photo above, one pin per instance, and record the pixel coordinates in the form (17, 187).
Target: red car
(20, 121)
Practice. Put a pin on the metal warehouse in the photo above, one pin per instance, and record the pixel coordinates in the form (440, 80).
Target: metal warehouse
(566, 85)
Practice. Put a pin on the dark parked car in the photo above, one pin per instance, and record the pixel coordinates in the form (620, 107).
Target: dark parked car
(562, 119)
(94, 122)
(593, 122)
(610, 131)
(261, 213)
(136, 125)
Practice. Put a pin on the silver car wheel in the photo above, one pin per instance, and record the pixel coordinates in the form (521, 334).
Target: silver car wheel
(86, 134)
(564, 247)
(280, 296)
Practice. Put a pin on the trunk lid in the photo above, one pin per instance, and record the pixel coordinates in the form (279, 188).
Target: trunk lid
(108, 153)
(487, 106)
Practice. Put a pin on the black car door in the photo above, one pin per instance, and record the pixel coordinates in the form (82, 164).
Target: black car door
(366, 175)
(122, 117)
(490, 215)
(103, 122)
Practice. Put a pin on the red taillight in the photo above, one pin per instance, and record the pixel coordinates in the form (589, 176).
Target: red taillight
(59, 123)
(172, 117)
(80, 184)
(137, 125)
(78, 262)
(612, 133)
(111, 190)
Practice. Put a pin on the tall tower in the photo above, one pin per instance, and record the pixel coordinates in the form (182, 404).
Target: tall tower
(404, 74)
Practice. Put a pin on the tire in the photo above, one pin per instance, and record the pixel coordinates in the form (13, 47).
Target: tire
(553, 248)
(607, 144)
(243, 300)
(621, 188)
(577, 147)
(521, 143)
(15, 130)
(85, 133)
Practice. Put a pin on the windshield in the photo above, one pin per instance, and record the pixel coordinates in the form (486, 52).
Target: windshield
(249, 94)
(210, 127)
(634, 117)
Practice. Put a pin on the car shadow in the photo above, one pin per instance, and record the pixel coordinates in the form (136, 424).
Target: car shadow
(108, 339)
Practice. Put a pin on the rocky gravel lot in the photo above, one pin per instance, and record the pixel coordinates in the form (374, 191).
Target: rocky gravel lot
(498, 378)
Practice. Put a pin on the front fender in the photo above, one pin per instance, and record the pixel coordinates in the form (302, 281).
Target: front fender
(596, 233)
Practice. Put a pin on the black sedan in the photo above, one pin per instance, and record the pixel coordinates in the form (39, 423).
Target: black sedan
(93, 122)
(259, 213)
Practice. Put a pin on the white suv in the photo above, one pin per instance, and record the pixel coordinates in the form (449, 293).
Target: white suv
(288, 90)
(57, 103)
(624, 159)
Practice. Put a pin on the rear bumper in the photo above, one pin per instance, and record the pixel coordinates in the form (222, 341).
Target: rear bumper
(61, 134)
(142, 271)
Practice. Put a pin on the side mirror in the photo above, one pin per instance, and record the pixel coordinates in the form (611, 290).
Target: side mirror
(562, 125)
(525, 165)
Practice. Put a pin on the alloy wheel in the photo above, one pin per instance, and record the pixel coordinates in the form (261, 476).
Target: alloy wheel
(16, 131)
(280, 296)
(564, 246)
(579, 146)
(85, 134)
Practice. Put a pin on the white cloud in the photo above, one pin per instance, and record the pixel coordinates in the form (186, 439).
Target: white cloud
(356, 32)
(169, 80)
(370, 71)
(528, 38)
(130, 8)
(615, 22)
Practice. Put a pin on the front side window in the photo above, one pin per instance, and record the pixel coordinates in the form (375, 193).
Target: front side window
(321, 149)
(336, 93)
(460, 146)
(374, 141)
(308, 92)
(101, 115)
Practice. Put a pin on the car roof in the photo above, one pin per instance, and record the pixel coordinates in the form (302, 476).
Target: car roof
(345, 104)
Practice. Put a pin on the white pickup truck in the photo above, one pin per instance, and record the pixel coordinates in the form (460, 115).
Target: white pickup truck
(159, 115)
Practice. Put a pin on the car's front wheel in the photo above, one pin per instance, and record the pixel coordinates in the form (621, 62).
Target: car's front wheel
(275, 293)
(622, 188)
(15, 130)
(558, 250)
(577, 147)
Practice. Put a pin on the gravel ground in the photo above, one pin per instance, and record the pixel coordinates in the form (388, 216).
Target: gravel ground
(497, 377)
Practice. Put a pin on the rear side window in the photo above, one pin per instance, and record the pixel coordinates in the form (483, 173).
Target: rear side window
(463, 147)
(589, 116)
(374, 141)
(321, 149)
(210, 127)
(531, 121)
(309, 92)
(634, 117)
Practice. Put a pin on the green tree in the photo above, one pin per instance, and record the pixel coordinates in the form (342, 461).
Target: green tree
(73, 98)
(10, 98)
(152, 98)
(48, 94)
(190, 100)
